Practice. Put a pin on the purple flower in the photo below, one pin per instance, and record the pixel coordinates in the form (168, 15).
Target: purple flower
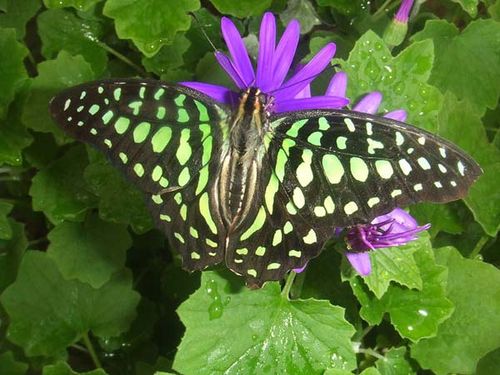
(273, 66)
(403, 11)
(395, 33)
(393, 229)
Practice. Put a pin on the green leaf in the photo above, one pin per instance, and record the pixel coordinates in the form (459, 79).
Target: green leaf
(78, 4)
(53, 76)
(12, 71)
(152, 23)
(494, 11)
(345, 7)
(17, 14)
(241, 8)
(459, 123)
(321, 279)
(395, 363)
(60, 191)
(394, 264)
(273, 334)
(441, 216)
(467, 63)
(126, 207)
(488, 365)
(415, 314)
(48, 313)
(9, 365)
(169, 57)
(62, 30)
(199, 45)
(14, 137)
(470, 6)
(402, 79)
(42, 151)
(332, 371)
(91, 251)
(369, 371)
(5, 229)
(303, 11)
(62, 368)
(472, 331)
(11, 253)
(209, 70)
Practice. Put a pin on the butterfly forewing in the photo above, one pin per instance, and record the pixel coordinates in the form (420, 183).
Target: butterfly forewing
(340, 168)
(167, 140)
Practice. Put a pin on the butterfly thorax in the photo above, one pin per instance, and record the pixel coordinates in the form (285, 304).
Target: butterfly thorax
(241, 163)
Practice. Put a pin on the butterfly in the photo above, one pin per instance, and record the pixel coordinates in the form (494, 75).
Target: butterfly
(261, 192)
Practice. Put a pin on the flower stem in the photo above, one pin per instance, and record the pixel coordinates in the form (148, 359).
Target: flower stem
(285, 293)
(479, 246)
(382, 9)
(90, 348)
(371, 352)
(123, 58)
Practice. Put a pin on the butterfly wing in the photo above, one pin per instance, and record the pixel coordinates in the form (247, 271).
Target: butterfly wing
(329, 169)
(165, 139)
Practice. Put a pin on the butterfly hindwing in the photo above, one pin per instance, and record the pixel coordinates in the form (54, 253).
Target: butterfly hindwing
(166, 140)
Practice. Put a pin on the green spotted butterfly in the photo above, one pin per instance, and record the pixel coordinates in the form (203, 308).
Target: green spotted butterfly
(260, 192)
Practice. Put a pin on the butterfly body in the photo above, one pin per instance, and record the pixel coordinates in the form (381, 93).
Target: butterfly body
(261, 192)
(241, 163)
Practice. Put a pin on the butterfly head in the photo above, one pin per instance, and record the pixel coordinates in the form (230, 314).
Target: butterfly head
(254, 101)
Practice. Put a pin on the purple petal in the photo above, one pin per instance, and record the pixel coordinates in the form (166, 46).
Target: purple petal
(301, 269)
(228, 66)
(370, 103)
(398, 115)
(305, 93)
(284, 54)
(398, 216)
(404, 11)
(316, 102)
(239, 54)
(304, 77)
(338, 85)
(219, 93)
(267, 41)
(360, 262)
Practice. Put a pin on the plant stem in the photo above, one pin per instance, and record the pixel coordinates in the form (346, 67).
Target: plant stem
(123, 58)
(90, 348)
(371, 352)
(479, 246)
(359, 336)
(80, 348)
(381, 10)
(285, 293)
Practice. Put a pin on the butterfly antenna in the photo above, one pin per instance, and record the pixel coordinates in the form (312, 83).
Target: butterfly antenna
(202, 28)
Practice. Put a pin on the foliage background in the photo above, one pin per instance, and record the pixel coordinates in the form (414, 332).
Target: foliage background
(86, 281)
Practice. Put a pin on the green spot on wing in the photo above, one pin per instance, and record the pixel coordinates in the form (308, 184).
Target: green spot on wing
(205, 212)
(121, 125)
(184, 151)
(296, 126)
(161, 138)
(256, 225)
(203, 111)
(141, 132)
